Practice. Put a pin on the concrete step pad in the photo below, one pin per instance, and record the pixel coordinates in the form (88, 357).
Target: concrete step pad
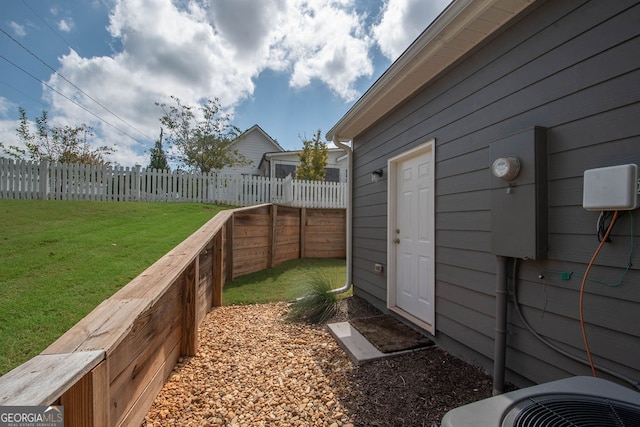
(356, 346)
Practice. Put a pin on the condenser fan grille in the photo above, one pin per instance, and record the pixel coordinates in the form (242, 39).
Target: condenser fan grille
(575, 411)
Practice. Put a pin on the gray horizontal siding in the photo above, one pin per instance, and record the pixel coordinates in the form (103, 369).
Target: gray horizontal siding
(571, 67)
(551, 269)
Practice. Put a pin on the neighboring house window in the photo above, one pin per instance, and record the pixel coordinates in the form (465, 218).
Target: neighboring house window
(282, 171)
(332, 175)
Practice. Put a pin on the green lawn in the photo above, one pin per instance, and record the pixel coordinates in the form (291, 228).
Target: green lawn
(60, 259)
(285, 282)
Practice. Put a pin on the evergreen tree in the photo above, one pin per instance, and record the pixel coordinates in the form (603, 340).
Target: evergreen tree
(158, 157)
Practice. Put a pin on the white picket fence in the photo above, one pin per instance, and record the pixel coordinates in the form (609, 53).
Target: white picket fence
(54, 181)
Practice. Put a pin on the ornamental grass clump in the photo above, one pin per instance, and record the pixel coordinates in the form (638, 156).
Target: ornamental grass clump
(318, 305)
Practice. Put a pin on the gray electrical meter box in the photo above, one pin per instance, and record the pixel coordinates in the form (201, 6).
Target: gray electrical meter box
(519, 194)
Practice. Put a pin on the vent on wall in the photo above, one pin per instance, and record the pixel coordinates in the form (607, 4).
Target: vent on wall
(576, 401)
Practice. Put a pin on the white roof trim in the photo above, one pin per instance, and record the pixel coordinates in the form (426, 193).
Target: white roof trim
(461, 27)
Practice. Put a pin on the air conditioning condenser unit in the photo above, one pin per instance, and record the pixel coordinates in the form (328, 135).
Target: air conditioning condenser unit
(571, 402)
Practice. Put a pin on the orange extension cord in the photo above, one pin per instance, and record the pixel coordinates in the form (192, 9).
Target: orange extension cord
(584, 282)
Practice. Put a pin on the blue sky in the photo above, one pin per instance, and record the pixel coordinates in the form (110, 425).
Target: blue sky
(290, 66)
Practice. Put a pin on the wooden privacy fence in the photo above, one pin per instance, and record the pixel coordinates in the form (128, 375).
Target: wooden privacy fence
(107, 369)
(29, 180)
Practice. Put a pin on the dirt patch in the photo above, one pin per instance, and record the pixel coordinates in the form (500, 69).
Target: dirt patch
(389, 335)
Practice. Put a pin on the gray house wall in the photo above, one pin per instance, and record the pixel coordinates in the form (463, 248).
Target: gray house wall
(572, 67)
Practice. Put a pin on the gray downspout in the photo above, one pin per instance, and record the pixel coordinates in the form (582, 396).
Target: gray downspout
(349, 152)
(501, 325)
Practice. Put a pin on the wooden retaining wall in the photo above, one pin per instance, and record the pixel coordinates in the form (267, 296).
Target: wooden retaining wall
(269, 235)
(108, 368)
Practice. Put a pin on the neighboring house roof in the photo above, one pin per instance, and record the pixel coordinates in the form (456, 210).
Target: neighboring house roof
(459, 28)
(252, 144)
(256, 128)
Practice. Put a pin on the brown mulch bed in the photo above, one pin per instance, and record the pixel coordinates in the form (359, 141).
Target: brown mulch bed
(254, 369)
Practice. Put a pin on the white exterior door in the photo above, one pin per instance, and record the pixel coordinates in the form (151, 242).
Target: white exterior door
(411, 235)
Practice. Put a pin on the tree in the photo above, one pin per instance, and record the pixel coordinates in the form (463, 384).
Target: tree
(63, 144)
(202, 135)
(158, 158)
(313, 159)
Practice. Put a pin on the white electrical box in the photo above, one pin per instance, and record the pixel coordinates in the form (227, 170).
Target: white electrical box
(613, 188)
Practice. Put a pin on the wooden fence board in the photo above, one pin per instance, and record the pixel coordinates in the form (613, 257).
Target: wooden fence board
(190, 279)
(228, 249)
(272, 236)
(326, 231)
(242, 244)
(289, 221)
(218, 268)
(140, 407)
(250, 260)
(287, 253)
(136, 377)
(104, 328)
(325, 236)
(249, 231)
(204, 301)
(323, 253)
(285, 239)
(54, 374)
(288, 228)
(205, 286)
(254, 220)
(147, 330)
(86, 403)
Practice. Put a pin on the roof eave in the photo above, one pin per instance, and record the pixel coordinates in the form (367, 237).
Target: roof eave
(458, 29)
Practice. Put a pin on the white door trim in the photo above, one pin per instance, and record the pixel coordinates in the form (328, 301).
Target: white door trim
(392, 214)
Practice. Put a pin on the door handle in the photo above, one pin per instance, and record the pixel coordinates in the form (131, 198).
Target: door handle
(396, 241)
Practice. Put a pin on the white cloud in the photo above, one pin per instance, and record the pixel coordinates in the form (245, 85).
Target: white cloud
(7, 127)
(322, 40)
(66, 25)
(199, 49)
(403, 21)
(204, 50)
(8, 135)
(18, 29)
(246, 24)
(325, 40)
(6, 106)
(176, 51)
